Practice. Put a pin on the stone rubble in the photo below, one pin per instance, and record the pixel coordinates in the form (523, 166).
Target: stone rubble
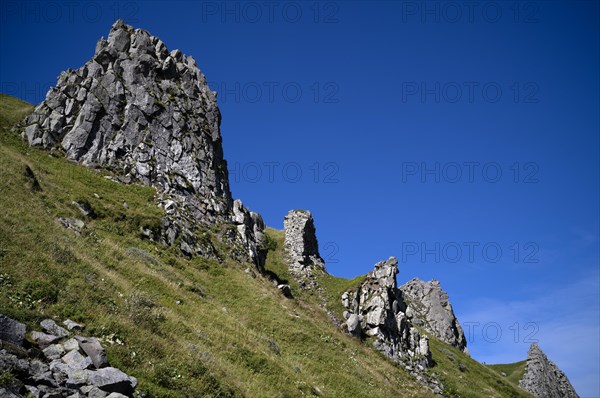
(68, 367)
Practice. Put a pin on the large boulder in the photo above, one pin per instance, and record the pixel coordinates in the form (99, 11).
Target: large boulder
(428, 307)
(543, 379)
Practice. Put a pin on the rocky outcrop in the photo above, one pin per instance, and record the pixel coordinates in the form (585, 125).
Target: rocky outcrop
(58, 365)
(427, 306)
(250, 227)
(301, 245)
(148, 115)
(377, 309)
(543, 379)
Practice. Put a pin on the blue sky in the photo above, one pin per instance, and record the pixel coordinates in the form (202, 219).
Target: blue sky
(460, 137)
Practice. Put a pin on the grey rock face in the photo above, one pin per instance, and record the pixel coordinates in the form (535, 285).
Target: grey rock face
(376, 309)
(11, 330)
(148, 115)
(428, 307)
(543, 379)
(301, 245)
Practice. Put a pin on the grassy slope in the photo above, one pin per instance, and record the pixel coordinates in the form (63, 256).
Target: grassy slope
(514, 371)
(233, 334)
(464, 377)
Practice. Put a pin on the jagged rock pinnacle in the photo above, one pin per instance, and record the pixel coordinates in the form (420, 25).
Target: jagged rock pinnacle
(543, 379)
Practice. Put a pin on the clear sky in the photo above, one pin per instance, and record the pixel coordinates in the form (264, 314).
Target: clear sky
(460, 137)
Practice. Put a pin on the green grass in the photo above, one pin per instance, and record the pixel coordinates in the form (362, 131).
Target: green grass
(514, 371)
(464, 377)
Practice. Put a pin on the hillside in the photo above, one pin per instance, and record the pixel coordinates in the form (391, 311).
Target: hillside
(183, 327)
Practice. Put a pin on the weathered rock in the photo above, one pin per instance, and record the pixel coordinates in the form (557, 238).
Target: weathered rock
(5, 393)
(52, 328)
(54, 351)
(11, 330)
(428, 307)
(72, 224)
(70, 345)
(301, 245)
(543, 379)
(148, 115)
(75, 360)
(376, 309)
(250, 227)
(92, 347)
(43, 339)
(93, 392)
(71, 325)
(111, 380)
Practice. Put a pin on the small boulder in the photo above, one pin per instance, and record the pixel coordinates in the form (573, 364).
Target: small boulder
(71, 325)
(92, 347)
(52, 328)
(11, 330)
(71, 345)
(54, 351)
(75, 360)
(42, 339)
(111, 380)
